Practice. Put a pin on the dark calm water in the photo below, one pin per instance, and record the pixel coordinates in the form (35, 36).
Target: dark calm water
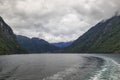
(60, 67)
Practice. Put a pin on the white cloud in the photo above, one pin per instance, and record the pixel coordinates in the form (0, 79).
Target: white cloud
(56, 20)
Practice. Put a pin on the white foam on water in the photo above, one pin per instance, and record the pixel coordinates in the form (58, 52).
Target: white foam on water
(98, 74)
(71, 70)
(111, 71)
(62, 74)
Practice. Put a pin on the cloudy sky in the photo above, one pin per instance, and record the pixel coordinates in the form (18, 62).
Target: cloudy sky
(56, 20)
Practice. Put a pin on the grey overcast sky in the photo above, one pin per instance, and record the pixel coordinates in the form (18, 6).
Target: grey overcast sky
(56, 20)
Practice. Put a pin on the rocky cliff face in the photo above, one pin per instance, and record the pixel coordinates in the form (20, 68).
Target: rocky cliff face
(8, 42)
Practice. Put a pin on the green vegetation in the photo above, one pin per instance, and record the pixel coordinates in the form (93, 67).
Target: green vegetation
(8, 42)
(102, 38)
(10, 47)
(36, 45)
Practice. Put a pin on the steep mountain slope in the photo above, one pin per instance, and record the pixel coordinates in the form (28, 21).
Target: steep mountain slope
(36, 45)
(8, 42)
(102, 38)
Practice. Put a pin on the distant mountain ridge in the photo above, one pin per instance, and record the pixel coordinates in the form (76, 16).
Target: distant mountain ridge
(36, 45)
(63, 44)
(102, 38)
(8, 42)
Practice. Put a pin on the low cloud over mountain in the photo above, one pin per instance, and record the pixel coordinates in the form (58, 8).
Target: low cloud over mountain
(56, 20)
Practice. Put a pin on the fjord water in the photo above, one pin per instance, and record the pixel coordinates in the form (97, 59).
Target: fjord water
(59, 67)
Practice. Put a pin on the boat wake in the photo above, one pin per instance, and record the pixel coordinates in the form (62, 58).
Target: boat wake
(86, 68)
(110, 71)
(61, 75)
(80, 71)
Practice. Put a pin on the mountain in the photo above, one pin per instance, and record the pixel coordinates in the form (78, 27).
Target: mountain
(8, 42)
(63, 44)
(102, 38)
(36, 45)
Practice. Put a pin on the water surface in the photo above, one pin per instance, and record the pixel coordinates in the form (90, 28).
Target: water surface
(56, 67)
